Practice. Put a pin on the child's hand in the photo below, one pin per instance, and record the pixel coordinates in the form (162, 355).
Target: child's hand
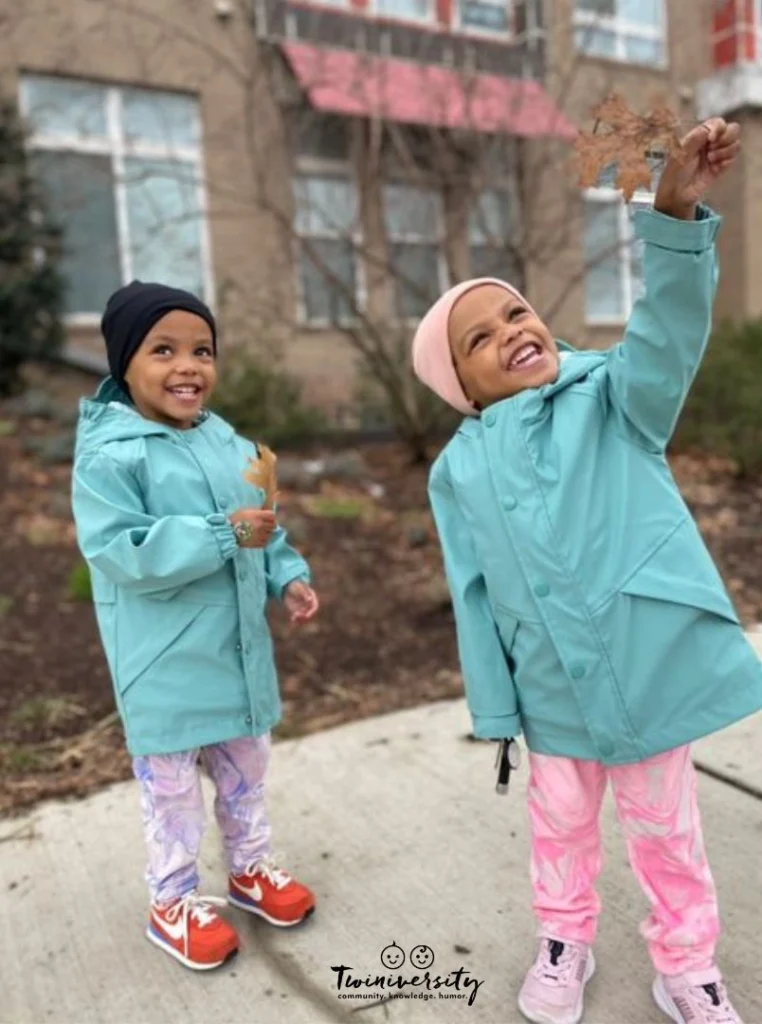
(707, 152)
(262, 523)
(301, 601)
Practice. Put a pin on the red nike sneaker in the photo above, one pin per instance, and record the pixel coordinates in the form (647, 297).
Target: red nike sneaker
(270, 892)
(192, 931)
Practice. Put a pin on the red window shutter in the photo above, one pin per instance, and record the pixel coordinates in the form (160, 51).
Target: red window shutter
(734, 33)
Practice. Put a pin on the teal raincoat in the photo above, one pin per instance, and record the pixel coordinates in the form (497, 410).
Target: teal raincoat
(589, 613)
(180, 607)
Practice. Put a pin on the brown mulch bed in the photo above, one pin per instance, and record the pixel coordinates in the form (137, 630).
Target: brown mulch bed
(384, 639)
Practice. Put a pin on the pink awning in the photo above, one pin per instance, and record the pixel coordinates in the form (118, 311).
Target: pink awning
(366, 85)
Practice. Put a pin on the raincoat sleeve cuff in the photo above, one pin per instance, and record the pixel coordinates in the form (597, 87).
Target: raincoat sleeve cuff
(502, 727)
(303, 576)
(679, 235)
(224, 535)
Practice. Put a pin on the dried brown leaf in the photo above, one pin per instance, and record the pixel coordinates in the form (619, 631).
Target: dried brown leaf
(261, 473)
(627, 139)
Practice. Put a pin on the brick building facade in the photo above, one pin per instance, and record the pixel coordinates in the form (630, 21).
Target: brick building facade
(304, 164)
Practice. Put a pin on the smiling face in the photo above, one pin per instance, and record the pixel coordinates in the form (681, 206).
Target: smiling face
(393, 956)
(174, 371)
(422, 957)
(499, 346)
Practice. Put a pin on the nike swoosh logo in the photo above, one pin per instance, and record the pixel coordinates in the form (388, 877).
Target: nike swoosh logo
(175, 931)
(253, 891)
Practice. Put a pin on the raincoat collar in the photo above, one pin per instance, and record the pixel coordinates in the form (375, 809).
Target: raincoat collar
(574, 365)
(110, 416)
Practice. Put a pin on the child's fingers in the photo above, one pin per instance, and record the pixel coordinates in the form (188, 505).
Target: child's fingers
(729, 152)
(719, 167)
(715, 128)
(707, 133)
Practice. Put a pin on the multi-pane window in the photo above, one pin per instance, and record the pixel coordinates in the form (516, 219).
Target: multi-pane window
(413, 221)
(406, 10)
(492, 242)
(614, 258)
(490, 16)
(626, 30)
(327, 222)
(121, 167)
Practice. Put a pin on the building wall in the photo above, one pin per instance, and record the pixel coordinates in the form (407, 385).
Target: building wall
(181, 45)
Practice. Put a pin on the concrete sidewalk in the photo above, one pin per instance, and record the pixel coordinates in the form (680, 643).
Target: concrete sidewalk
(395, 823)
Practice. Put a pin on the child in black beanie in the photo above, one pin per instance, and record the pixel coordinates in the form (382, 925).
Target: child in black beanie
(184, 558)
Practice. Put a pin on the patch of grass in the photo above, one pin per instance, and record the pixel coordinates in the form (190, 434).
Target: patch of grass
(6, 604)
(7, 428)
(337, 508)
(19, 760)
(79, 586)
(45, 713)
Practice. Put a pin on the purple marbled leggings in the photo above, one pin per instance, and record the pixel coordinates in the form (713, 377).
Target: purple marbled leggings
(173, 810)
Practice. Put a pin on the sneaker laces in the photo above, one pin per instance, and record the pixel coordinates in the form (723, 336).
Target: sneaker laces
(268, 867)
(555, 962)
(719, 1010)
(193, 907)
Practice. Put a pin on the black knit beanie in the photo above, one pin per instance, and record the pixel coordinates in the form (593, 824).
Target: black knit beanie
(132, 311)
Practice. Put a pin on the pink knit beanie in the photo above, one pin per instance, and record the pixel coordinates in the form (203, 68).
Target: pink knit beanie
(432, 359)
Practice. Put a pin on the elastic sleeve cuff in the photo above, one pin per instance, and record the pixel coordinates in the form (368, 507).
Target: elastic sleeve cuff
(503, 727)
(302, 577)
(678, 235)
(224, 535)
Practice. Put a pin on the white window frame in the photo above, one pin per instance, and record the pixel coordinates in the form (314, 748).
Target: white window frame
(508, 187)
(118, 148)
(315, 167)
(624, 242)
(430, 18)
(411, 238)
(623, 30)
(474, 30)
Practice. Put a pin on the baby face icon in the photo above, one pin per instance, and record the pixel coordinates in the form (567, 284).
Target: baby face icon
(393, 957)
(422, 957)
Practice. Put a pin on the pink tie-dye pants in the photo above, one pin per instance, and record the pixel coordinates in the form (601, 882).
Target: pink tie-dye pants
(658, 813)
(173, 810)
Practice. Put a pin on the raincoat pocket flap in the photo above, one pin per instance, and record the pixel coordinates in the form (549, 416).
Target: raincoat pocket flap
(507, 624)
(148, 644)
(653, 582)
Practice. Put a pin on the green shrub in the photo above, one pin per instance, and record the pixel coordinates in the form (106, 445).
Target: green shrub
(79, 585)
(723, 414)
(264, 403)
(31, 286)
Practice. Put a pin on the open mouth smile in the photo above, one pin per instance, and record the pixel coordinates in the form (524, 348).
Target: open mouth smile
(526, 356)
(189, 393)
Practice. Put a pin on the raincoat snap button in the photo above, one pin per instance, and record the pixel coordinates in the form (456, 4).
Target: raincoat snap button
(542, 590)
(223, 503)
(239, 647)
(249, 719)
(489, 419)
(577, 671)
(509, 503)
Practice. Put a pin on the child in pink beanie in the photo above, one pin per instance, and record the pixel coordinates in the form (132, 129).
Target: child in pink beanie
(589, 614)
